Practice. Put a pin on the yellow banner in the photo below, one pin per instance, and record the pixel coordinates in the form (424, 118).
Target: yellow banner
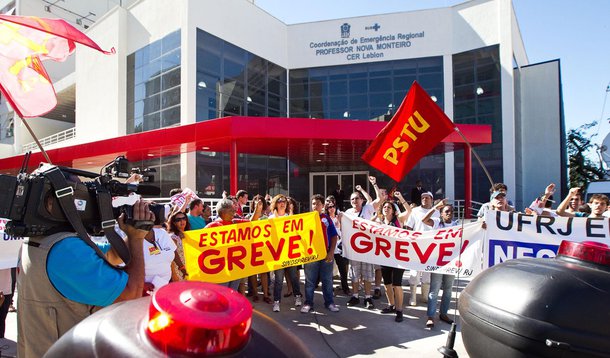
(226, 253)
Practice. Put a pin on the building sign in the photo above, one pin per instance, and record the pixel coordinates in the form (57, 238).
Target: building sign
(374, 45)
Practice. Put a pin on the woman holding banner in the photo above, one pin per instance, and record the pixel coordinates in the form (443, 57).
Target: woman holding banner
(279, 205)
(389, 214)
(178, 223)
(264, 277)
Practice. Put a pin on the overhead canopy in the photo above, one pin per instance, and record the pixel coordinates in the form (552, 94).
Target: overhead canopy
(299, 139)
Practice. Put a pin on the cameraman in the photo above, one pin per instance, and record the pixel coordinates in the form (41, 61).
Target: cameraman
(62, 280)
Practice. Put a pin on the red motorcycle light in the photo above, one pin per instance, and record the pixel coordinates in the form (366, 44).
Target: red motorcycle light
(589, 251)
(198, 318)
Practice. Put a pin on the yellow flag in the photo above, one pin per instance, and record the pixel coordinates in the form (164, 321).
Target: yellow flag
(225, 253)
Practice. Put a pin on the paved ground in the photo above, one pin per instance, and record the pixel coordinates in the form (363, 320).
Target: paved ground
(352, 332)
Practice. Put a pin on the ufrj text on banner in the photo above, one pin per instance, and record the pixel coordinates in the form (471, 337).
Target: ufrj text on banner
(432, 251)
(513, 235)
(225, 253)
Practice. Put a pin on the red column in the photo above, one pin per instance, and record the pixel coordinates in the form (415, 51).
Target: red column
(233, 175)
(467, 181)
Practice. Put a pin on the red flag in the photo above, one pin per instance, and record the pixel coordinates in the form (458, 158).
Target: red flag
(416, 128)
(24, 43)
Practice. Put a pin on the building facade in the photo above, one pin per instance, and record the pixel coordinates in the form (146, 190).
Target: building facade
(202, 60)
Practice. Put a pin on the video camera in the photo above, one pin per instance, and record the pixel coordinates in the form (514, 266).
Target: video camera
(32, 201)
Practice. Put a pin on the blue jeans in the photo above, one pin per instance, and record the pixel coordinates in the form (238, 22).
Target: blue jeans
(232, 284)
(279, 282)
(323, 270)
(444, 282)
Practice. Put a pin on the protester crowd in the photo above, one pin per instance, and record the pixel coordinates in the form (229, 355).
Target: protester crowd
(421, 213)
(164, 259)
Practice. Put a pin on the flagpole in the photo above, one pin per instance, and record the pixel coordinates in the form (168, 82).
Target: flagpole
(491, 182)
(44, 153)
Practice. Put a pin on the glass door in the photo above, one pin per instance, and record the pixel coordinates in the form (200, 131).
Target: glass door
(341, 185)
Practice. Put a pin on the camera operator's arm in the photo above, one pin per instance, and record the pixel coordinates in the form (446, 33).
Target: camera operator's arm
(80, 275)
(135, 238)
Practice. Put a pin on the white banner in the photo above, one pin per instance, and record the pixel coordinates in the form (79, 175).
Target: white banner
(432, 251)
(9, 247)
(516, 235)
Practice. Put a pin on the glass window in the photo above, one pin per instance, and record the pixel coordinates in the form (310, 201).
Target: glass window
(318, 88)
(477, 90)
(142, 57)
(297, 90)
(256, 110)
(170, 60)
(338, 103)
(153, 69)
(170, 116)
(256, 96)
(403, 82)
(338, 88)
(430, 81)
(171, 41)
(380, 99)
(234, 53)
(152, 104)
(358, 86)
(170, 98)
(275, 102)
(358, 101)
(154, 50)
(208, 61)
(152, 86)
(299, 105)
(233, 71)
(380, 84)
(139, 92)
(170, 79)
(152, 121)
(279, 88)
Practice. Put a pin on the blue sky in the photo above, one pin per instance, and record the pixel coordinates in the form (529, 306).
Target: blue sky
(576, 32)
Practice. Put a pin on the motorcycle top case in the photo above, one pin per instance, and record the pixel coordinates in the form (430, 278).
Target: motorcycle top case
(537, 308)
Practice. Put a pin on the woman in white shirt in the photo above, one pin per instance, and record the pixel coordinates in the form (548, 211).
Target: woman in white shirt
(159, 252)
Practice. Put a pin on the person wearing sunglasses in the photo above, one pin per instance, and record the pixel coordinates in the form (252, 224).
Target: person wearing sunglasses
(389, 214)
(279, 207)
(178, 223)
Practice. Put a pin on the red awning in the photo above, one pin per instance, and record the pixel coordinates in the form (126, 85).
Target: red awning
(299, 139)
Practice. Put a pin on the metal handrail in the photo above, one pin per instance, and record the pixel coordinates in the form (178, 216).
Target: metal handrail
(458, 205)
(52, 139)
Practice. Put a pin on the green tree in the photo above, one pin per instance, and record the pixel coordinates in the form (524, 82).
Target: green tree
(582, 168)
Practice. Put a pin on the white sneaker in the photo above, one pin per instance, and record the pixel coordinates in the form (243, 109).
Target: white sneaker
(305, 309)
(276, 306)
(333, 308)
(298, 301)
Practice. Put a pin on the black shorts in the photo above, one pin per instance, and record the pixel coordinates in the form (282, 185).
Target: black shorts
(392, 275)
